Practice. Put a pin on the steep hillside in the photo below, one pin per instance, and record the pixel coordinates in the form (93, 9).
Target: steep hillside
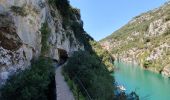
(145, 40)
(35, 36)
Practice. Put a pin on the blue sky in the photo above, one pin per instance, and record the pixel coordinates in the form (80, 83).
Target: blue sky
(103, 17)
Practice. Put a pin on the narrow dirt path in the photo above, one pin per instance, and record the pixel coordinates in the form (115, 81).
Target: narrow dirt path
(62, 89)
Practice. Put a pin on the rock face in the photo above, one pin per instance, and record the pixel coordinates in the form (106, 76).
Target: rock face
(145, 40)
(166, 71)
(20, 35)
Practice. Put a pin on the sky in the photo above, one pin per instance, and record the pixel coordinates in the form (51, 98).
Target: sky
(102, 17)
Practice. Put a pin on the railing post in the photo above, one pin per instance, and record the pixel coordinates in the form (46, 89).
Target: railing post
(78, 94)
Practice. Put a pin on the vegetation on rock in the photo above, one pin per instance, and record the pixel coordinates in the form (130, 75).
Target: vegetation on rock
(95, 61)
(45, 32)
(35, 83)
(104, 55)
(144, 39)
(92, 66)
(19, 10)
(93, 74)
(31, 84)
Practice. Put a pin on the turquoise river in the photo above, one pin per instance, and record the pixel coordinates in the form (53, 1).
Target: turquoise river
(148, 85)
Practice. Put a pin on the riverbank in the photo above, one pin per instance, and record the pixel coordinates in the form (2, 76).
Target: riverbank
(165, 72)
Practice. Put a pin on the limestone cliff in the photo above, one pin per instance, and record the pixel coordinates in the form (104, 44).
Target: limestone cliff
(21, 22)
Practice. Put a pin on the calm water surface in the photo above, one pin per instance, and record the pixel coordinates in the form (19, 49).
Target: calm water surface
(148, 85)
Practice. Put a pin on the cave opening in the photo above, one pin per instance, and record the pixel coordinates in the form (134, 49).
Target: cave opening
(63, 56)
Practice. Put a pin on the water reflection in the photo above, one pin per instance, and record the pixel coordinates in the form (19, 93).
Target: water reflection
(148, 85)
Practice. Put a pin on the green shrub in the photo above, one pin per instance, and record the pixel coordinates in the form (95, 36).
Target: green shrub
(78, 31)
(81, 35)
(93, 74)
(104, 55)
(19, 10)
(167, 18)
(147, 64)
(146, 40)
(76, 12)
(31, 84)
(167, 32)
(45, 32)
(63, 6)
